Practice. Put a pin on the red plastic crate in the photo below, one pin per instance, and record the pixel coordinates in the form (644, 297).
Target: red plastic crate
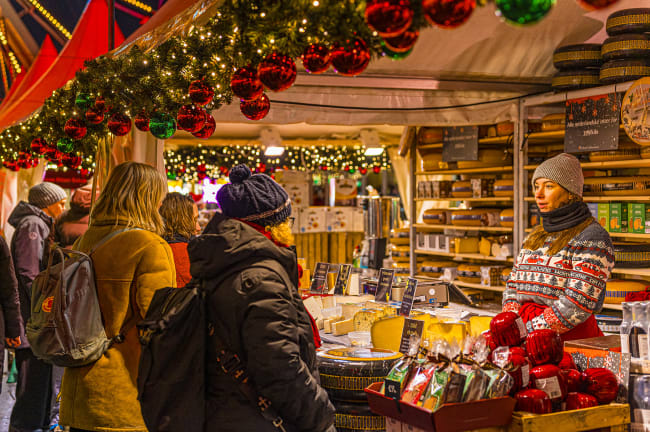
(448, 418)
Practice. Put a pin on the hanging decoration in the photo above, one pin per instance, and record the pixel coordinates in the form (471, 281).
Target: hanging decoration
(389, 17)
(396, 55)
(596, 4)
(142, 121)
(403, 42)
(162, 125)
(350, 58)
(38, 146)
(277, 71)
(448, 13)
(255, 109)
(83, 100)
(245, 83)
(523, 11)
(94, 116)
(100, 105)
(119, 124)
(75, 128)
(201, 92)
(64, 145)
(316, 58)
(191, 118)
(208, 128)
(71, 161)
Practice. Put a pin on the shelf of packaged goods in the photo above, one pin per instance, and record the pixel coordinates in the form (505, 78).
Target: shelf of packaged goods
(633, 163)
(632, 271)
(612, 306)
(465, 228)
(478, 286)
(508, 199)
(463, 255)
(621, 198)
(612, 234)
(497, 169)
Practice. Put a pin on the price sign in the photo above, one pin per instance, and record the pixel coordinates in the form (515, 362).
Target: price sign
(392, 389)
(592, 123)
(460, 143)
(412, 331)
(408, 297)
(341, 286)
(384, 285)
(319, 281)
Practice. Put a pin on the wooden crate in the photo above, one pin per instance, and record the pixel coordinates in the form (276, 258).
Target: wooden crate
(613, 417)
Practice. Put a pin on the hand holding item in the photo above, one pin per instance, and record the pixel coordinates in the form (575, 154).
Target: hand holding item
(13, 342)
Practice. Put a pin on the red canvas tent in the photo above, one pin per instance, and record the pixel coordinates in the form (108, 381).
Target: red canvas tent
(44, 59)
(89, 40)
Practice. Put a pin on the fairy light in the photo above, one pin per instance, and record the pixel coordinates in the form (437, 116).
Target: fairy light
(139, 5)
(39, 7)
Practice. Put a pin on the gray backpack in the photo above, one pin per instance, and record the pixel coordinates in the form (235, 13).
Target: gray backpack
(66, 326)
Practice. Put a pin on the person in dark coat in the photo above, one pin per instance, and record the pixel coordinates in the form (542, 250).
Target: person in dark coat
(73, 223)
(11, 322)
(250, 275)
(35, 406)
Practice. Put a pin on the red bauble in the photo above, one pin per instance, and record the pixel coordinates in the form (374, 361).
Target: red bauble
(201, 93)
(191, 118)
(119, 124)
(142, 121)
(316, 58)
(208, 128)
(567, 362)
(23, 155)
(548, 378)
(277, 71)
(596, 4)
(71, 161)
(448, 13)
(572, 379)
(94, 115)
(544, 346)
(10, 165)
(261, 167)
(100, 104)
(402, 42)
(576, 401)
(507, 329)
(376, 169)
(389, 17)
(75, 128)
(533, 401)
(256, 109)
(245, 83)
(33, 162)
(51, 152)
(38, 146)
(363, 171)
(601, 383)
(350, 58)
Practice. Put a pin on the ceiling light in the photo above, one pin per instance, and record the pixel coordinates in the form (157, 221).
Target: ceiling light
(374, 151)
(274, 151)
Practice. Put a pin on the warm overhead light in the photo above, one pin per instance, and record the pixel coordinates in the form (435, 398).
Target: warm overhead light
(274, 151)
(374, 151)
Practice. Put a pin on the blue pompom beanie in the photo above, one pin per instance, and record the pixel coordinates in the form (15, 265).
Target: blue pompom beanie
(254, 198)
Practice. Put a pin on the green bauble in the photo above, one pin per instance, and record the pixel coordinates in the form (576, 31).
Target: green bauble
(83, 100)
(171, 175)
(394, 54)
(524, 11)
(65, 145)
(162, 125)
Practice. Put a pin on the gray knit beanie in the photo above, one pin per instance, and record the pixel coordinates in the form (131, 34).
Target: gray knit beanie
(45, 194)
(564, 169)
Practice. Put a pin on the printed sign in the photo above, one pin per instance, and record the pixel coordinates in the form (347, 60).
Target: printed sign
(460, 143)
(341, 286)
(392, 389)
(635, 112)
(412, 332)
(384, 285)
(592, 123)
(319, 281)
(408, 297)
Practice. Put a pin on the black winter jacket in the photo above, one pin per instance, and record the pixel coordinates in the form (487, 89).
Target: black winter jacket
(11, 323)
(265, 323)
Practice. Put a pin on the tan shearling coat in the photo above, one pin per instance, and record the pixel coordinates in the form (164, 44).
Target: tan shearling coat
(129, 268)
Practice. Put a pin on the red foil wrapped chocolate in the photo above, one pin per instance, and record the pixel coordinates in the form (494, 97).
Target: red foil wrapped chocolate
(533, 401)
(548, 378)
(508, 329)
(575, 400)
(600, 383)
(544, 346)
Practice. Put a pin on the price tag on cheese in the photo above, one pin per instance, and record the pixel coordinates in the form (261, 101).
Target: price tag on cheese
(411, 335)
(384, 285)
(319, 281)
(341, 286)
(408, 297)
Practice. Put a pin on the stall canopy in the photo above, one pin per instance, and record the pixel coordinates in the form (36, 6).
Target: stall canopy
(89, 40)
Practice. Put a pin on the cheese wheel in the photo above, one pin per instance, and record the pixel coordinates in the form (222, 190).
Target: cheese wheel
(430, 135)
(402, 268)
(507, 218)
(634, 186)
(575, 79)
(357, 417)
(488, 158)
(400, 252)
(625, 151)
(577, 56)
(476, 217)
(485, 245)
(553, 122)
(504, 188)
(626, 46)
(505, 128)
(505, 274)
(469, 273)
(430, 159)
(618, 288)
(628, 254)
(461, 189)
(346, 372)
(616, 71)
(645, 153)
(434, 268)
(434, 217)
(399, 241)
(636, 20)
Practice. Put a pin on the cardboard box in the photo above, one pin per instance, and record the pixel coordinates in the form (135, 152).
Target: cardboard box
(443, 243)
(636, 217)
(313, 219)
(299, 194)
(340, 219)
(431, 293)
(618, 217)
(603, 215)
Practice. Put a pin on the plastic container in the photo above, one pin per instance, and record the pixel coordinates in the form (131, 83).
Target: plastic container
(360, 339)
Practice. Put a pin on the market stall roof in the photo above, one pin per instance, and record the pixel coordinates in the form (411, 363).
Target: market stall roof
(89, 40)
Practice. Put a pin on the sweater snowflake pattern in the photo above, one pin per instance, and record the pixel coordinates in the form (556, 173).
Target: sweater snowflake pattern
(570, 283)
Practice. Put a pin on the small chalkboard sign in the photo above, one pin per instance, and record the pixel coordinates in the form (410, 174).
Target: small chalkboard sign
(319, 281)
(408, 297)
(460, 143)
(392, 389)
(384, 285)
(341, 286)
(592, 123)
(412, 327)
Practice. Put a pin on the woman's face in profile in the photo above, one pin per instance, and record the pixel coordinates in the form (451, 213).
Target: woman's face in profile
(549, 195)
(195, 217)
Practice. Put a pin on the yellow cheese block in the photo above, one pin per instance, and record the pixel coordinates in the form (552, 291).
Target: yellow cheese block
(466, 245)
(618, 288)
(349, 309)
(479, 324)
(469, 273)
(329, 322)
(485, 246)
(449, 331)
(343, 327)
(363, 319)
(386, 333)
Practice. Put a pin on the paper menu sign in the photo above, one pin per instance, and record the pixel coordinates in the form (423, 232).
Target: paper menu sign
(412, 330)
(384, 285)
(319, 281)
(342, 280)
(408, 297)
(592, 123)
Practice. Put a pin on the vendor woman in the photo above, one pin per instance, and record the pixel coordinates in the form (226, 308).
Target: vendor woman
(560, 275)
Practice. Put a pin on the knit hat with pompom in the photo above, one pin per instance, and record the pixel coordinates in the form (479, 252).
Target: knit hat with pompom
(254, 198)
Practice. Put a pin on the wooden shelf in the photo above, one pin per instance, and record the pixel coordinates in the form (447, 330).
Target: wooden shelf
(604, 198)
(467, 171)
(466, 228)
(478, 286)
(465, 199)
(463, 256)
(543, 137)
(497, 140)
(613, 306)
(633, 163)
(632, 271)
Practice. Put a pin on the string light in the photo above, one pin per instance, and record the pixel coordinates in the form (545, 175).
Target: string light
(39, 7)
(139, 5)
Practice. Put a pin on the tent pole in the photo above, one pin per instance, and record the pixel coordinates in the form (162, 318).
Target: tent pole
(111, 25)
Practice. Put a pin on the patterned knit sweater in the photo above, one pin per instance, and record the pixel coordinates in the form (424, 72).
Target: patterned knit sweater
(570, 283)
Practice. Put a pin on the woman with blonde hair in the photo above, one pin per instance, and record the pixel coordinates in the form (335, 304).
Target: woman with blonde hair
(181, 216)
(131, 261)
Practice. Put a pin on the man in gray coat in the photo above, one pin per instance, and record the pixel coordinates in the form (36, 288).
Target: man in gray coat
(37, 380)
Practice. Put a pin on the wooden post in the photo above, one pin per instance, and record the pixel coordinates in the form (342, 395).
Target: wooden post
(111, 25)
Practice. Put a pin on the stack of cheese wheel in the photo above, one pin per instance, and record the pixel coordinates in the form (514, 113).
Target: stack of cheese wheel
(461, 189)
(435, 217)
(402, 268)
(400, 253)
(553, 122)
(475, 217)
(400, 236)
(626, 150)
(469, 273)
(488, 158)
(504, 188)
(579, 66)
(632, 255)
(618, 288)
(435, 268)
(507, 218)
(634, 186)
(431, 157)
(627, 51)
(505, 275)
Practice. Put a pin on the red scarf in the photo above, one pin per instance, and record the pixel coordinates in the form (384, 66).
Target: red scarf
(263, 231)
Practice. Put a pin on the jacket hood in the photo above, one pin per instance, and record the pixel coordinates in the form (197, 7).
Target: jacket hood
(227, 243)
(24, 209)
